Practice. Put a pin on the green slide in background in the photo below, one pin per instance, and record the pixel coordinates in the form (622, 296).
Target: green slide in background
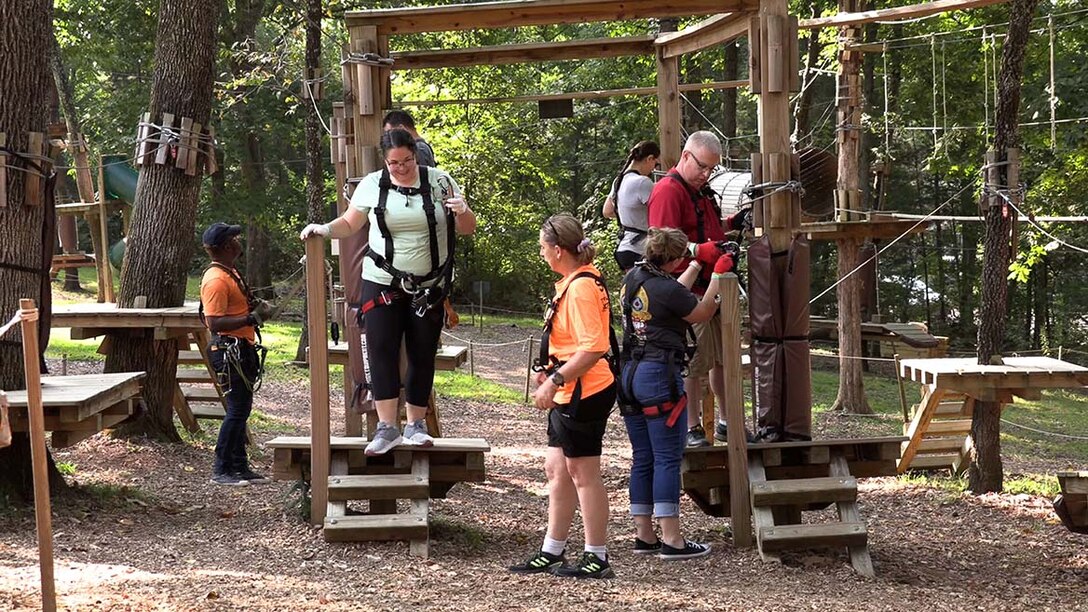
(120, 182)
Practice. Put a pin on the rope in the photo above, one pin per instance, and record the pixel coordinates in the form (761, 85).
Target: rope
(1046, 433)
(15, 318)
(887, 246)
(310, 94)
(483, 344)
(1030, 220)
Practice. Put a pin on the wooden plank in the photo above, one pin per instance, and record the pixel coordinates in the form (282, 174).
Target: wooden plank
(185, 139)
(389, 486)
(935, 445)
(912, 11)
(441, 445)
(668, 109)
(761, 515)
(201, 394)
(919, 425)
(374, 527)
(829, 535)
(576, 95)
(33, 184)
(934, 462)
(948, 428)
(185, 414)
(516, 13)
(208, 411)
(849, 514)
(1073, 485)
(713, 31)
(805, 491)
(525, 52)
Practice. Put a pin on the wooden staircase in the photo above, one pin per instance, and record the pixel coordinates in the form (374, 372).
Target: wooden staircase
(197, 396)
(939, 432)
(382, 491)
(777, 506)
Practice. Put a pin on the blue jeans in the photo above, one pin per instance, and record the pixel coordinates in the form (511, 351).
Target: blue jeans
(656, 448)
(230, 447)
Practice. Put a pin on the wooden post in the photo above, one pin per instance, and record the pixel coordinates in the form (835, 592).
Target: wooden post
(739, 506)
(107, 272)
(774, 132)
(34, 183)
(668, 109)
(471, 360)
(529, 369)
(38, 456)
(902, 390)
(319, 378)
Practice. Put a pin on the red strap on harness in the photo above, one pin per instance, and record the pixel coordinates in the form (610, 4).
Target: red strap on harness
(384, 298)
(672, 409)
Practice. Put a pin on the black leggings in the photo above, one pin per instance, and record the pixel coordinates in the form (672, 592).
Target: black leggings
(385, 327)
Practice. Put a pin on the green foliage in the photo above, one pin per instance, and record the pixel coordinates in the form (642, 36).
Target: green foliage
(66, 468)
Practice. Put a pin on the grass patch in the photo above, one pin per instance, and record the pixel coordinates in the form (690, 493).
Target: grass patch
(108, 494)
(464, 386)
(261, 421)
(66, 468)
(61, 344)
(953, 486)
(467, 538)
(1060, 411)
(1041, 485)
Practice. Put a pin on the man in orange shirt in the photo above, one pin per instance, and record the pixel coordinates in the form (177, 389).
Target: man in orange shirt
(233, 315)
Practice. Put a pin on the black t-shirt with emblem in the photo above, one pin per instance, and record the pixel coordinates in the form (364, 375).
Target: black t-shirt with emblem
(658, 308)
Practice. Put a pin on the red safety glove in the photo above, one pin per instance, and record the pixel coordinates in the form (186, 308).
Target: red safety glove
(706, 253)
(723, 266)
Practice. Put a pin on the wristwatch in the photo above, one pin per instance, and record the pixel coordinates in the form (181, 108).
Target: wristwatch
(557, 379)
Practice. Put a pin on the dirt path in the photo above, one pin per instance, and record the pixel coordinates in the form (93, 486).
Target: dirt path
(166, 539)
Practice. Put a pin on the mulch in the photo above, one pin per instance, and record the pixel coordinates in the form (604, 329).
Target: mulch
(156, 535)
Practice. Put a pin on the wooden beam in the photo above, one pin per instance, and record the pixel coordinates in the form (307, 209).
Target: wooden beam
(716, 30)
(515, 13)
(668, 109)
(316, 323)
(911, 11)
(575, 95)
(524, 53)
(739, 509)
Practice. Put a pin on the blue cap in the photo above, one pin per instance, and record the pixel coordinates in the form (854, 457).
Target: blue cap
(219, 233)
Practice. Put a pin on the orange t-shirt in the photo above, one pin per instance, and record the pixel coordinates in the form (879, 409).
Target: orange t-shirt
(581, 324)
(222, 297)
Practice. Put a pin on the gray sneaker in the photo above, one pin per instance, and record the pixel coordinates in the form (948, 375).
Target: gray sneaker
(385, 438)
(415, 433)
(229, 480)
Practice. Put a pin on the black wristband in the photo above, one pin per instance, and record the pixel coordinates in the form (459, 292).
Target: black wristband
(251, 320)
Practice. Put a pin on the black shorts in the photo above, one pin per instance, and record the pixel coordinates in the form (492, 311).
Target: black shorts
(580, 434)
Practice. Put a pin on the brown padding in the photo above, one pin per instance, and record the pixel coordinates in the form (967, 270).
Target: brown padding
(797, 383)
(762, 308)
(351, 275)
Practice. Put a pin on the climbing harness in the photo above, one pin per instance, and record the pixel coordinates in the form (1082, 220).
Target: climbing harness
(624, 228)
(422, 298)
(231, 346)
(548, 363)
(635, 350)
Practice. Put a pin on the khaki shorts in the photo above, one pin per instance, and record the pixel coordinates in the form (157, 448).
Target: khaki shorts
(708, 342)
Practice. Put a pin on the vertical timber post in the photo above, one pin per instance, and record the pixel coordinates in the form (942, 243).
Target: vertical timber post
(668, 108)
(319, 378)
(740, 509)
(43, 513)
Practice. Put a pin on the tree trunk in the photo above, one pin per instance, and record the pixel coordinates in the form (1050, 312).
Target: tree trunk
(315, 172)
(25, 29)
(851, 396)
(986, 472)
(160, 241)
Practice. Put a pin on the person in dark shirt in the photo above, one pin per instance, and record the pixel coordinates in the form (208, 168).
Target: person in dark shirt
(658, 313)
(403, 120)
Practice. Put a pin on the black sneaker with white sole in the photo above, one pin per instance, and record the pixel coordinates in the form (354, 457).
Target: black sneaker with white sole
(646, 548)
(588, 566)
(691, 550)
(229, 480)
(539, 563)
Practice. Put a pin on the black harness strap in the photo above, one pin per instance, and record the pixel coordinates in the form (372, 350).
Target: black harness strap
(548, 364)
(409, 282)
(634, 351)
(638, 232)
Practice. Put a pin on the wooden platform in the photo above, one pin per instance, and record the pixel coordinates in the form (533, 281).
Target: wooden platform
(1072, 504)
(447, 358)
(909, 340)
(77, 407)
(406, 473)
(938, 430)
(84, 208)
(787, 478)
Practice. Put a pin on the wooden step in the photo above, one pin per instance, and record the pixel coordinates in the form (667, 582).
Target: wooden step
(789, 537)
(934, 445)
(949, 407)
(804, 491)
(202, 394)
(383, 486)
(372, 527)
(949, 428)
(934, 462)
(190, 358)
(194, 375)
(209, 411)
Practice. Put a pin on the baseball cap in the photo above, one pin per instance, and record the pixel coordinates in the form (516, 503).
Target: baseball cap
(218, 233)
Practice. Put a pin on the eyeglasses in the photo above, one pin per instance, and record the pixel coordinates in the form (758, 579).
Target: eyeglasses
(392, 163)
(703, 168)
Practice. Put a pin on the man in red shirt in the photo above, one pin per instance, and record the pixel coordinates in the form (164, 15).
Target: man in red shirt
(677, 201)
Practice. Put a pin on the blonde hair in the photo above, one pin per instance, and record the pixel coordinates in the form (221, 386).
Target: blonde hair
(566, 232)
(664, 244)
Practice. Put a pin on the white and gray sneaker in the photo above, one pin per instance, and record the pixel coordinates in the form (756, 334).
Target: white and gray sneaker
(386, 437)
(416, 433)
